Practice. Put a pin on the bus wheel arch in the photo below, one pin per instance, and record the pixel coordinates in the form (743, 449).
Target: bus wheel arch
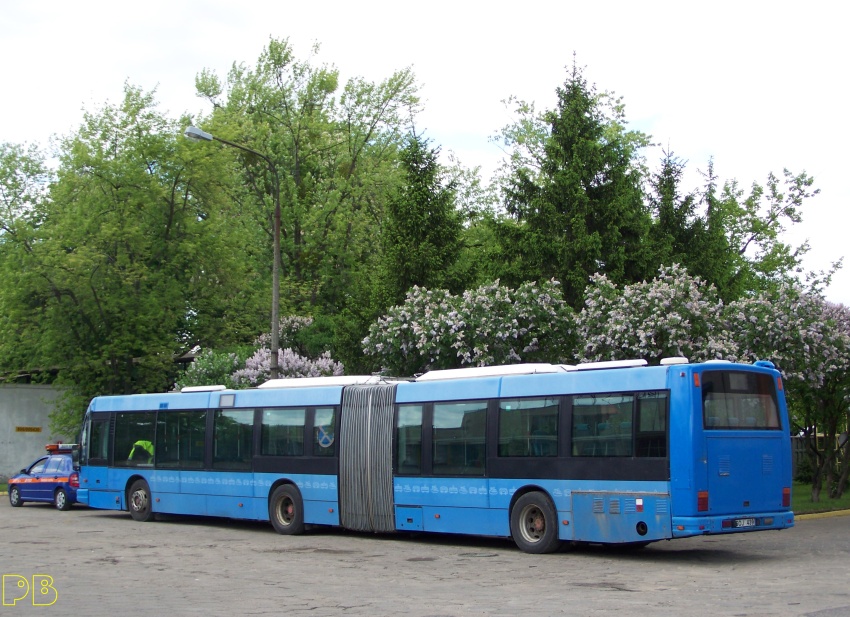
(139, 500)
(286, 509)
(534, 522)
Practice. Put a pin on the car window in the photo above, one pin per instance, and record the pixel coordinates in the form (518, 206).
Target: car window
(54, 465)
(38, 466)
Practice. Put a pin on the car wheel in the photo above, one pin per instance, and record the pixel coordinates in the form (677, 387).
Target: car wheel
(61, 500)
(15, 497)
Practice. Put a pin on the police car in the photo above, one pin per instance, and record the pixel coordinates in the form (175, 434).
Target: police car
(53, 479)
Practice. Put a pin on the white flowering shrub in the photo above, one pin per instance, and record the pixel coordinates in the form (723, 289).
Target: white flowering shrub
(290, 364)
(674, 314)
(807, 337)
(209, 368)
(493, 324)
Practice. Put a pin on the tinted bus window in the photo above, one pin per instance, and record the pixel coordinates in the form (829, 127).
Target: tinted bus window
(602, 425)
(134, 439)
(528, 427)
(651, 436)
(283, 432)
(232, 439)
(324, 436)
(738, 401)
(180, 439)
(409, 439)
(459, 438)
(95, 442)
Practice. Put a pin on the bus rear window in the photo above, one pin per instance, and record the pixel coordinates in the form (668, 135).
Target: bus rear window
(737, 400)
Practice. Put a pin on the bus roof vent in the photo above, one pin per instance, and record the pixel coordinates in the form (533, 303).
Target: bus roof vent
(595, 366)
(203, 388)
(764, 363)
(674, 360)
(337, 380)
(490, 371)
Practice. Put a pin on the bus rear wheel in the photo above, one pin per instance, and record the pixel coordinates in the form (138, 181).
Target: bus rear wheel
(139, 502)
(286, 510)
(534, 524)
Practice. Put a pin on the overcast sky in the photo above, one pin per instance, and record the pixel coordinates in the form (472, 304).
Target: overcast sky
(758, 86)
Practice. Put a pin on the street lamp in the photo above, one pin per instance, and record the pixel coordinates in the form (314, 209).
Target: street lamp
(197, 134)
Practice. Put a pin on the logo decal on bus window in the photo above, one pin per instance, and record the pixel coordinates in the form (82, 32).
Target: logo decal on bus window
(325, 438)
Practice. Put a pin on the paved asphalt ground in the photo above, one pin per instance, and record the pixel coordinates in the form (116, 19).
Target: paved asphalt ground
(104, 563)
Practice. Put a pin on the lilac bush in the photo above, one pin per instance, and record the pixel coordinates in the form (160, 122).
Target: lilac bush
(290, 365)
(228, 369)
(493, 324)
(674, 314)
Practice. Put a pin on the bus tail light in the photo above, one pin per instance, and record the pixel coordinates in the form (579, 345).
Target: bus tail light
(74, 480)
(786, 497)
(702, 501)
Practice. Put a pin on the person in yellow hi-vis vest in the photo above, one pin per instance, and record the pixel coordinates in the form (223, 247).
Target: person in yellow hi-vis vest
(142, 452)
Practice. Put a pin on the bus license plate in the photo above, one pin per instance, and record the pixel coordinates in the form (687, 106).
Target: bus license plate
(744, 522)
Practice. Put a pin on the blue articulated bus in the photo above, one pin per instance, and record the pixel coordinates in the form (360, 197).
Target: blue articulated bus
(607, 452)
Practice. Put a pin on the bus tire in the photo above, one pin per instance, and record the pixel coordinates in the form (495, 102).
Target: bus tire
(286, 510)
(60, 500)
(139, 502)
(534, 524)
(15, 497)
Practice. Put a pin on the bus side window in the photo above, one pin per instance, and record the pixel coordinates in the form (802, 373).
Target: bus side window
(283, 432)
(651, 438)
(324, 436)
(458, 438)
(602, 424)
(131, 429)
(528, 427)
(409, 439)
(232, 439)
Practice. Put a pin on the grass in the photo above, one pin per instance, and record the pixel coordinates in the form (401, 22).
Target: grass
(801, 500)
(3, 487)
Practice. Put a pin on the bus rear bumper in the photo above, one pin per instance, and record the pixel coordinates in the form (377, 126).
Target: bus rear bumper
(685, 526)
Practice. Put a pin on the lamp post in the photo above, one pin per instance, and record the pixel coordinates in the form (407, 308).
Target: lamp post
(199, 135)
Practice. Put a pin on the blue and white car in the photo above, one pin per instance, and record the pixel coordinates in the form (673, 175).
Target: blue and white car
(53, 478)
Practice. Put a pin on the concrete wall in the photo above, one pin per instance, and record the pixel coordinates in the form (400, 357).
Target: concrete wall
(24, 408)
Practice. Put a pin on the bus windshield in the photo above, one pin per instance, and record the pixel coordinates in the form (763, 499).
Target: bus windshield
(737, 400)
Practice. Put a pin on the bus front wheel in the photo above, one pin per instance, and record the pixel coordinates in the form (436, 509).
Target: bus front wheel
(286, 510)
(139, 502)
(534, 524)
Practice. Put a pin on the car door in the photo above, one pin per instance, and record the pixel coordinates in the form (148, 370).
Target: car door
(52, 476)
(30, 485)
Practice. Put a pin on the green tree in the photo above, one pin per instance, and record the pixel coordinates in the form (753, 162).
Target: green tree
(573, 192)
(24, 185)
(129, 261)
(330, 160)
(421, 231)
(740, 248)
